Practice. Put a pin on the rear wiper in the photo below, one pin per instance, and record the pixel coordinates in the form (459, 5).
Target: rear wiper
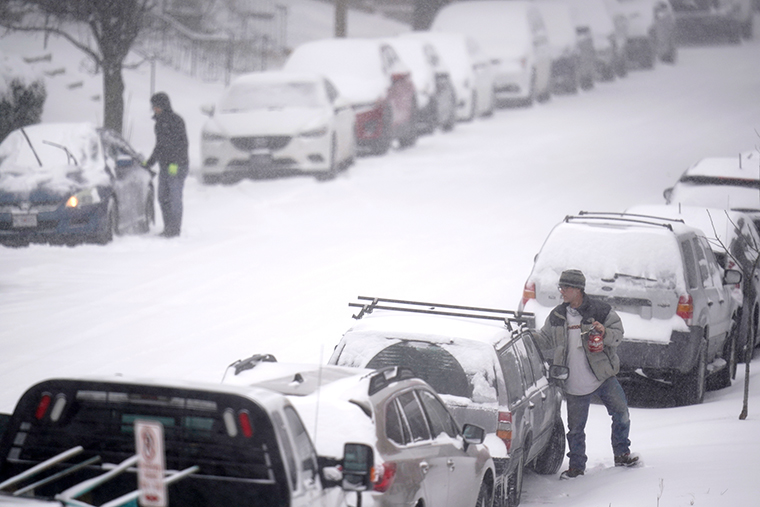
(69, 156)
(633, 277)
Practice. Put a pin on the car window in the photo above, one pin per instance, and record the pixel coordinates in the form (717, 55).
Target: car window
(307, 460)
(691, 268)
(712, 264)
(534, 358)
(289, 454)
(526, 372)
(414, 415)
(440, 418)
(394, 424)
(512, 374)
(704, 269)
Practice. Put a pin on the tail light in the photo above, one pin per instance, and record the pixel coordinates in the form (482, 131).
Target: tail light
(685, 309)
(504, 429)
(529, 292)
(383, 475)
(43, 405)
(245, 423)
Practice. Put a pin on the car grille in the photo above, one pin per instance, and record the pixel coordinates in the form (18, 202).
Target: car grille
(260, 143)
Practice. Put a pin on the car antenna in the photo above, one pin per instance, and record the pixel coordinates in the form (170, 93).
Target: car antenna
(32, 147)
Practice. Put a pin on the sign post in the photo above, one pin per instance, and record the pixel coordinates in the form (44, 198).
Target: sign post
(151, 466)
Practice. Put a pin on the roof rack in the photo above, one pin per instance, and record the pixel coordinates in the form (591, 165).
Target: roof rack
(508, 317)
(625, 217)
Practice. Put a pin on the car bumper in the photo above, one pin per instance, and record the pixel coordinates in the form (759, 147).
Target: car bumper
(512, 81)
(285, 155)
(59, 225)
(660, 360)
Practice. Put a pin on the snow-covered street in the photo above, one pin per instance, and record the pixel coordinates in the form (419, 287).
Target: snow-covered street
(269, 266)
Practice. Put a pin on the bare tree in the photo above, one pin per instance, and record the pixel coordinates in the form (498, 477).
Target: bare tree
(103, 29)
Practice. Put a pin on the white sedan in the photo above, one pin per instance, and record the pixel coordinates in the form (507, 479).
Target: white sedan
(269, 124)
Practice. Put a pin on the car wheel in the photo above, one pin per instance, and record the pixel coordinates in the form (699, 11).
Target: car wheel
(514, 483)
(723, 377)
(382, 144)
(484, 495)
(690, 387)
(647, 56)
(332, 166)
(672, 54)
(550, 459)
(409, 136)
(109, 224)
(149, 215)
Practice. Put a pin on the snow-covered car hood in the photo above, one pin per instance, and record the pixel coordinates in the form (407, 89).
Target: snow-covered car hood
(45, 184)
(287, 121)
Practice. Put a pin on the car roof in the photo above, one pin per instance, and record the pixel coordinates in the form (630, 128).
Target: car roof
(277, 76)
(743, 167)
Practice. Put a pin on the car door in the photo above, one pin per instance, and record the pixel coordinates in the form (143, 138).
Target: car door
(540, 392)
(301, 461)
(519, 403)
(715, 297)
(130, 181)
(462, 478)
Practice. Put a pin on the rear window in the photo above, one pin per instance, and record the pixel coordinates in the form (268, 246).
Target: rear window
(633, 255)
(200, 428)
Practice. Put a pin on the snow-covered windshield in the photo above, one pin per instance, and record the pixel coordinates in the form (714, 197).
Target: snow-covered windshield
(53, 145)
(250, 96)
(338, 57)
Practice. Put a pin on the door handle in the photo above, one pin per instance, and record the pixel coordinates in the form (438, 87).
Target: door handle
(424, 466)
(451, 464)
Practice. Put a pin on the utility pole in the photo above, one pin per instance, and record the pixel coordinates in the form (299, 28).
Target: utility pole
(341, 17)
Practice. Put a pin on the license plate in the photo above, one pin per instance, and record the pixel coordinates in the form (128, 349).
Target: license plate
(24, 220)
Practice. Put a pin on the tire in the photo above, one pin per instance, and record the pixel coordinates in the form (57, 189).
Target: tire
(551, 458)
(690, 387)
(381, 145)
(109, 225)
(150, 214)
(409, 137)
(514, 483)
(332, 169)
(723, 377)
(485, 495)
(648, 55)
(672, 55)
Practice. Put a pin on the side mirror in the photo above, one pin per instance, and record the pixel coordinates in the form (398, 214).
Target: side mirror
(358, 462)
(472, 435)
(732, 277)
(557, 372)
(208, 109)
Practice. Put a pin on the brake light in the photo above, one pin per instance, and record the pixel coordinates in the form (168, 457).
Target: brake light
(685, 309)
(529, 292)
(245, 423)
(504, 429)
(383, 476)
(42, 406)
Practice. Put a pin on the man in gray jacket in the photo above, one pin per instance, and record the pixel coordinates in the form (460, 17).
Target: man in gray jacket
(567, 336)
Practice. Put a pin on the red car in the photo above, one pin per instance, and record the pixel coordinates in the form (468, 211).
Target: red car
(371, 76)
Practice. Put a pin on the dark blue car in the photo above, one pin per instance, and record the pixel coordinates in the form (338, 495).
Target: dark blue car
(71, 183)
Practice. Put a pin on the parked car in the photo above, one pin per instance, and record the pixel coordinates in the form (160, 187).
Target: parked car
(422, 457)
(720, 182)
(71, 183)
(436, 99)
(662, 278)
(277, 123)
(606, 34)
(470, 70)
(513, 34)
(651, 31)
(223, 445)
(699, 18)
(735, 242)
(374, 80)
(572, 52)
(484, 365)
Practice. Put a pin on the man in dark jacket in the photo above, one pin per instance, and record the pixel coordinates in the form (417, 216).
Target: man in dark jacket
(171, 154)
(592, 367)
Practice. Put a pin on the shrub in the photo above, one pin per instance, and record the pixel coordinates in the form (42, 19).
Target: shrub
(22, 95)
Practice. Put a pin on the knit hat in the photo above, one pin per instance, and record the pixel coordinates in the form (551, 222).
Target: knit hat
(161, 100)
(573, 278)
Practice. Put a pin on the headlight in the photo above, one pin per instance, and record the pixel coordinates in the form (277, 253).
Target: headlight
(83, 198)
(317, 132)
(211, 136)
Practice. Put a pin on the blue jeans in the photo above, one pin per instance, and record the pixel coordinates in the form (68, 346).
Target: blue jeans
(170, 199)
(612, 395)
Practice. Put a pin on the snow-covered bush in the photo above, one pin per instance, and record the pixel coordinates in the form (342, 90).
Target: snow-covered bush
(22, 94)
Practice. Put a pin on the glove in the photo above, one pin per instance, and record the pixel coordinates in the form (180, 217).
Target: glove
(173, 168)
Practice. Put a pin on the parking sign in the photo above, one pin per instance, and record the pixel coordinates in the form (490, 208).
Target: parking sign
(149, 442)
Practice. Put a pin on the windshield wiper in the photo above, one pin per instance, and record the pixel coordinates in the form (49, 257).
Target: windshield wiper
(32, 147)
(69, 156)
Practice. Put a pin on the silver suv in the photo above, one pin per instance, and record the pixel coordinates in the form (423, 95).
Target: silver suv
(484, 365)
(421, 456)
(663, 280)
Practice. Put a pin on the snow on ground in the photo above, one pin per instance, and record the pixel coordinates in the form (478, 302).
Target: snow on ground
(269, 266)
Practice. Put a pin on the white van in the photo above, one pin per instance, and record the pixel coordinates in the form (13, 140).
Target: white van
(512, 32)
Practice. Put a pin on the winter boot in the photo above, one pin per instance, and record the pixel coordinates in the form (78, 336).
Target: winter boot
(571, 473)
(626, 460)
